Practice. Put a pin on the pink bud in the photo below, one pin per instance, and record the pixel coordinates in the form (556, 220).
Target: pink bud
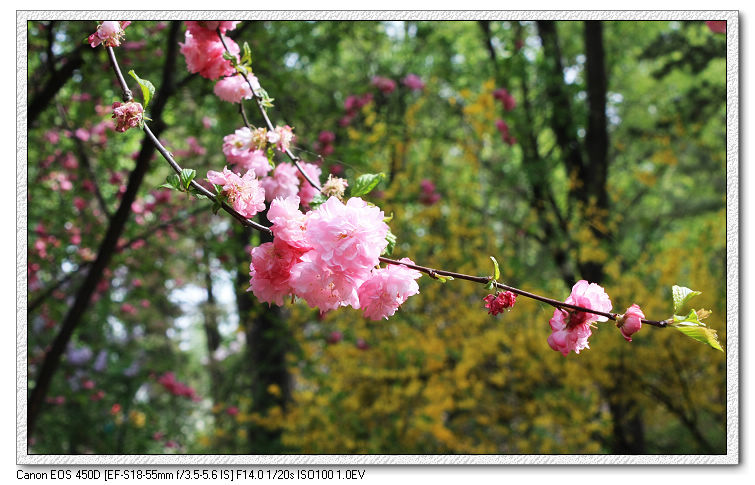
(630, 322)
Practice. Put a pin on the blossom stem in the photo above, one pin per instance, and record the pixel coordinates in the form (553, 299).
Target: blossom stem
(172, 162)
(266, 118)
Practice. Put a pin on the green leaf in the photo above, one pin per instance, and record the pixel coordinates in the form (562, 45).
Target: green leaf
(443, 279)
(702, 334)
(681, 296)
(317, 201)
(187, 175)
(691, 320)
(497, 269)
(490, 286)
(172, 182)
(246, 58)
(391, 238)
(148, 89)
(365, 183)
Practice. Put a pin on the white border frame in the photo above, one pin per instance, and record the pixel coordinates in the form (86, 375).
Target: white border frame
(732, 241)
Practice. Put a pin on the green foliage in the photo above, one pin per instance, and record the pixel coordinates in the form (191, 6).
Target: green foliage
(364, 184)
(148, 89)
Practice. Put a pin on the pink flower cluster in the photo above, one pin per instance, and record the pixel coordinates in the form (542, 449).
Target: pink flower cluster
(235, 88)
(245, 149)
(499, 302)
(506, 136)
(324, 145)
(169, 382)
(211, 25)
(717, 26)
(506, 99)
(282, 137)
(109, 33)
(385, 85)
(127, 115)
(387, 289)
(429, 195)
(245, 194)
(203, 51)
(352, 105)
(326, 256)
(571, 329)
(413, 82)
(283, 183)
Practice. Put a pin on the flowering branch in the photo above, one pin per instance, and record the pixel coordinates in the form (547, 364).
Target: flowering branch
(433, 273)
(330, 257)
(127, 96)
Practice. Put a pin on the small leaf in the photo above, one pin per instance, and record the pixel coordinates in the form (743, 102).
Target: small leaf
(187, 175)
(228, 56)
(317, 201)
(196, 193)
(490, 286)
(691, 320)
(148, 89)
(246, 58)
(497, 269)
(391, 238)
(702, 334)
(388, 218)
(365, 183)
(443, 279)
(681, 296)
(216, 207)
(172, 182)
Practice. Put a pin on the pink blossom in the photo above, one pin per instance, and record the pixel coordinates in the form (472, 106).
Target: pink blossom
(498, 303)
(571, 329)
(630, 322)
(204, 55)
(289, 224)
(283, 183)
(282, 137)
(270, 271)
(245, 194)
(306, 191)
(52, 137)
(232, 411)
(320, 287)
(717, 26)
(347, 238)
(413, 82)
(506, 99)
(234, 88)
(169, 382)
(127, 115)
(362, 345)
(208, 27)
(326, 137)
(79, 203)
(429, 196)
(109, 33)
(335, 337)
(387, 289)
(385, 85)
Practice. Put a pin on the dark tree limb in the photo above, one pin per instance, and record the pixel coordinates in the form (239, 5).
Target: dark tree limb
(109, 243)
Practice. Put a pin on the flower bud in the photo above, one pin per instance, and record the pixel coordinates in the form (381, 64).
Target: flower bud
(630, 322)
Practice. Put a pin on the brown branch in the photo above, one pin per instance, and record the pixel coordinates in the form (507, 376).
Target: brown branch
(109, 242)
